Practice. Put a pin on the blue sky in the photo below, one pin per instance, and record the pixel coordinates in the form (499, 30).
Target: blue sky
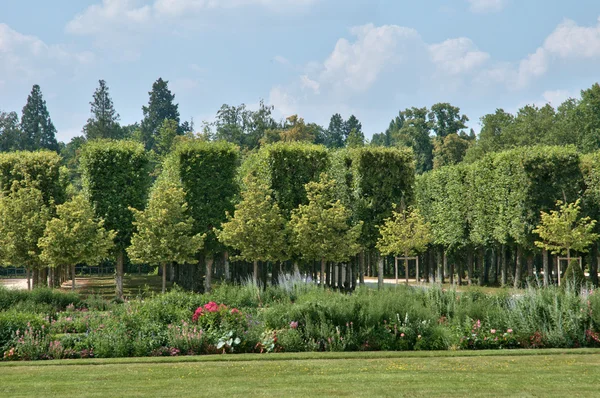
(371, 58)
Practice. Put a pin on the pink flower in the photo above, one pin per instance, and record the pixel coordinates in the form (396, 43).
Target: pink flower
(509, 331)
(235, 311)
(294, 325)
(401, 334)
(493, 331)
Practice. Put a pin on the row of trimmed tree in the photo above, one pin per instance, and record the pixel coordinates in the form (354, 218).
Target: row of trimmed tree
(295, 207)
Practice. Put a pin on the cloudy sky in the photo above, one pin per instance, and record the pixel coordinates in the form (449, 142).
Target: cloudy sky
(310, 57)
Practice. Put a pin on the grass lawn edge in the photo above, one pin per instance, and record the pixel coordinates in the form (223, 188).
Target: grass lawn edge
(307, 356)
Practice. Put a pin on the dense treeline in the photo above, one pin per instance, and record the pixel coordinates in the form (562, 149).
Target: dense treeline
(252, 196)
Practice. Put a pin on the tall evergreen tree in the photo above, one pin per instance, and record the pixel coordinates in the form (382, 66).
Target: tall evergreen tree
(160, 107)
(334, 135)
(104, 122)
(352, 124)
(38, 130)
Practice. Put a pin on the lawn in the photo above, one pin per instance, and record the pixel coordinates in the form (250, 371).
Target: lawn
(474, 373)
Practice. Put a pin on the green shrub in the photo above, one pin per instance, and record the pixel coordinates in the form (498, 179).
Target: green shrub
(574, 277)
(11, 321)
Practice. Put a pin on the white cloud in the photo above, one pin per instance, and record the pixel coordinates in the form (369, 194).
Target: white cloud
(281, 60)
(284, 102)
(307, 82)
(457, 56)
(570, 40)
(486, 6)
(357, 65)
(557, 97)
(24, 57)
(134, 15)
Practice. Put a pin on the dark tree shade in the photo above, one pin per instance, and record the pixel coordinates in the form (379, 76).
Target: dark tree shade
(37, 127)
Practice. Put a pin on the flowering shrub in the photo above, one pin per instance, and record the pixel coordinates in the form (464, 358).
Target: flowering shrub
(218, 317)
(187, 339)
(483, 338)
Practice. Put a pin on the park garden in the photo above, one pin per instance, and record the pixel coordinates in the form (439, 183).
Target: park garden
(272, 250)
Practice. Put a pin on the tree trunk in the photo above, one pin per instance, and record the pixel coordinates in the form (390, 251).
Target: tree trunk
(361, 268)
(119, 274)
(406, 267)
(459, 272)
(255, 272)
(530, 267)
(28, 273)
(380, 272)
(340, 277)
(164, 278)
(208, 260)
(481, 266)
(275, 274)
(518, 267)
(452, 272)
(504, 266)
(296, 268)
(545, 267)
(470, 266)
(322, 278)
(440, 266)
(445, 272)
(72, 277)
(226, 265)
(594, 265)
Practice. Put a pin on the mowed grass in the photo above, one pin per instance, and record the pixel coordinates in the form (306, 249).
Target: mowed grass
(443, 374)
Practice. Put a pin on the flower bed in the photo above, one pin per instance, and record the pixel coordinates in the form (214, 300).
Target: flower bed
(301, 318)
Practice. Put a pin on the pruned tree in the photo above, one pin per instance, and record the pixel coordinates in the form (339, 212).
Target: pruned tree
(257, 229)
(75, 236)
(404, 233)
(321, 229)
(164, 230)
(114, 178)
(563, 230)
(23, 217)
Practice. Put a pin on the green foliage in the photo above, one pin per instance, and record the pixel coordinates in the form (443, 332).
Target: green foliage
(286, 168)
(321, 229)
(160, 107)
(115, 178)
(574, 276)
(404, 233)
(257, 229)
(10, 132)
(164, 229)
(75, 236)
(377, 178)
(166, 136)
(38, 131)
(207, 173)
(41, 169)
(562, 230)
(23, 217)
(104, 122)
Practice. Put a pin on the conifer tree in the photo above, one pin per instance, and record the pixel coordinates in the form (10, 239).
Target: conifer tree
(104, 122)
(160, 107)
(38, 130)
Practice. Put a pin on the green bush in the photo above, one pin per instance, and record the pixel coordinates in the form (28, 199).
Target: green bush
(574, 277)
(12, 320)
